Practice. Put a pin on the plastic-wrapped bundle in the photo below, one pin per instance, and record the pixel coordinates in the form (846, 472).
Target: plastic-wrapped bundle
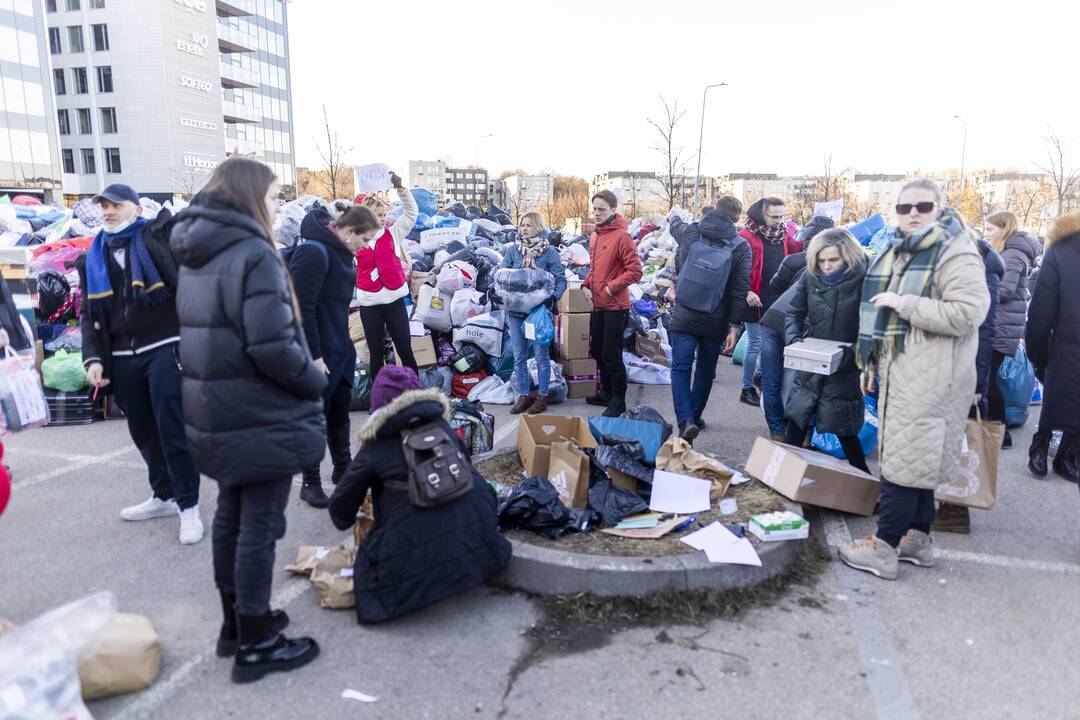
(490, 254)
(457, 210)
(423, 264)
(523, 289)
(287, 224)
(492, 228)
(484, 272)
(414, 251)
(472, 212)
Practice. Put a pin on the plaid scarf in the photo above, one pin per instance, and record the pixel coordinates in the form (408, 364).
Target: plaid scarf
(771, 235)
(882, 331)
(531, 249)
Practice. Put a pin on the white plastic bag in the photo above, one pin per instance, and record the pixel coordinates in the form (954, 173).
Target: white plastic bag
(456, 275)
(484, 331)
(467, 304)
(492, 386)
(576, 255)
(558, 391)
(433, 309)
(643, 372)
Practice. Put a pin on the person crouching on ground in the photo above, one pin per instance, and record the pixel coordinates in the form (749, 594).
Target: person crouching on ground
(129, 338)
(324, 273)
(614, 266)
(413, 557)
(825, 306)
(533, 251)
(252, 399)
(923, 301)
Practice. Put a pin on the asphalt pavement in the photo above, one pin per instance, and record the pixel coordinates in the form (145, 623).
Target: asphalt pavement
(986, 633)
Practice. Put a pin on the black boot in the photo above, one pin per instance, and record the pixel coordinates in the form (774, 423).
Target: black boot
(1040, 446)
(1066, 462)
(311, 491)
(601, 399)
(617, 406)
(688, 431)
(264, 650)
(1007, 443)
(340, 452)
(229, 637)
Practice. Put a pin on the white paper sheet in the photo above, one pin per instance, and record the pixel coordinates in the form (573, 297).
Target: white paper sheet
(674, 493)
(372, 178)
(351, 694)
(722, 546)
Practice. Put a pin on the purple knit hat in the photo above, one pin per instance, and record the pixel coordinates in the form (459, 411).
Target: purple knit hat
(391, 381)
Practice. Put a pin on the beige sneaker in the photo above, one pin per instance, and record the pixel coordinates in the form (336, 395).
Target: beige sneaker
(871, 555)
(917, 548)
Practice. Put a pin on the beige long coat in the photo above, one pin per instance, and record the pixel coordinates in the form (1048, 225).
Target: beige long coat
(926, 391)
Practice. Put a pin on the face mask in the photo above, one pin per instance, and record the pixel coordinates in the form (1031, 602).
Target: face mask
(119, 227)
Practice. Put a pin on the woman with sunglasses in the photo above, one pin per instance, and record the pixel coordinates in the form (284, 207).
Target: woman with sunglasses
(923, 301)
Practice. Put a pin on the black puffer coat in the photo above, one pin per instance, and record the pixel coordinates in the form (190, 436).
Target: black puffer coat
(1053, 330)
(1013, 295)
(827, 312)
(414, 557)
(252, 395)
(995, 269)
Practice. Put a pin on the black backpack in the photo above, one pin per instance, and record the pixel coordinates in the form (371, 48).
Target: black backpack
(704, 277)
(439, 472)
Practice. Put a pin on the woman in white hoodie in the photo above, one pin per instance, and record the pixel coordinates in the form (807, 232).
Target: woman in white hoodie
(382, 277)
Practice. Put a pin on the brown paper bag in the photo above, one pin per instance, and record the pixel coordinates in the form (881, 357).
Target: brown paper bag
(976, 484)
(356, 328)
(650, 349)
(125, 657)
(332, 578)
(677, 456)
(568, 471)
(306, 559)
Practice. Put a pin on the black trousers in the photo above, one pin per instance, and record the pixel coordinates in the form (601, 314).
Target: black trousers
(795, 435)
(377, 320)
(995, 397)
(902, 509)
(250, 519)
(336, 409)
(147, 389)
(606, 328)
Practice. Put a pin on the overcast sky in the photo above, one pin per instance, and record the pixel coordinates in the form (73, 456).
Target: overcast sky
(569, 85)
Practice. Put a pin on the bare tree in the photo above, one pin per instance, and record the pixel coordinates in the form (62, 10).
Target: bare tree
(188, 181)
(673, 176)
(519, 201)
(827, 186)
(1029, 199)
(1064, 176)
(333, 157)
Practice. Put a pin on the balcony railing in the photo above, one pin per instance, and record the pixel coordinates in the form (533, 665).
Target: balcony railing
(237, 113)
(237, 77)
(232, 40)
(235, 8)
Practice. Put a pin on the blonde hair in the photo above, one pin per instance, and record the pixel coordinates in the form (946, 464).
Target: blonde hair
(851, 252)
(536, 218)
(373, 202)
(1009, 224)
(923, 183)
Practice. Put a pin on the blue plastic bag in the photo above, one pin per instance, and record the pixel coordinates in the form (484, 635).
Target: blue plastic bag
(739, 354)
(538, 326)
(427, 201)
(646, 308)
(882, 239)
(868, 435)
(649, 434)
(864, 231)
(1016, 378)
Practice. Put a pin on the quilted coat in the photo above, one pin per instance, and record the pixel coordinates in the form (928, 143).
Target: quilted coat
(1013, 292)
(926, 391)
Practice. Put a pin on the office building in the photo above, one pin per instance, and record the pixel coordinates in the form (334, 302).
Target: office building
(29, 146)
(428, 174)
(469, 185)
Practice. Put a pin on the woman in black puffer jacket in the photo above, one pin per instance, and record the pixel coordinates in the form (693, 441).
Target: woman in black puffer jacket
(252, 399)
(826, 306)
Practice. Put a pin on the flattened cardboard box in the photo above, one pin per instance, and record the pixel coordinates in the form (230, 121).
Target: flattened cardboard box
(813, 478)
(537, 432)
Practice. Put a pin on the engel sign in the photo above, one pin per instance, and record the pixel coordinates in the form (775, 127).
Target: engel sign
(197, 45)
(196, 84)
(192, 6)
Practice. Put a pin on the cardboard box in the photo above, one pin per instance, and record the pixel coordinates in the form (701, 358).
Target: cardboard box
(573, 337)
(417, 280)
(574, 300)
(821, 357)
(537, 432)
(579, 389)
(568, 472)
(356, 328)
(622, 480)
(813, 478)
(424, 351)
(579, 368)
(775, 526)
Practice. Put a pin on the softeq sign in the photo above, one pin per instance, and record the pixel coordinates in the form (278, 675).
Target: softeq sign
(192, 6)
(192, 83)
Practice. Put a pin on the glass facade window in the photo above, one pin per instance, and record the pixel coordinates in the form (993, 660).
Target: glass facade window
(101, 37)
(72, 5)
(89, 166)
(104, 79)
(54, 41)
(85, 126)
(58, 81)
(69, 161)
(75, 39)
(78, 79)
(50, 5)
(97, 4)
(112, 160)
(108, 120)
(64, 121)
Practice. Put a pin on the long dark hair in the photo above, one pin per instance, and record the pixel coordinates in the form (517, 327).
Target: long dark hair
(243, 182)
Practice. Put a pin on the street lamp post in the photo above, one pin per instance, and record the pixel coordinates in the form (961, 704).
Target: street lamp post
(963, 155)
(701, 137)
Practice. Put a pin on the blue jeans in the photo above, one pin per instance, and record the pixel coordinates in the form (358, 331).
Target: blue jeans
(772, 379)
(521, 358)
(690, 398)
(753, 348)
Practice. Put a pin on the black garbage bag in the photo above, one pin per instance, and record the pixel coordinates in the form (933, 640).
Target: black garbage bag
(462, 254)
(609, 501)
(457, 210)
(534, 504)
(501, 218)
(468, 359)
(483, 232)
(425, 264)
(508, 237)
(361, 391)
(472, 212)
(648, 414)
(554, 238)
(454, 246)
(494, 211)
(626, 456)
(484, 272)
(480, 242)
(53, 292)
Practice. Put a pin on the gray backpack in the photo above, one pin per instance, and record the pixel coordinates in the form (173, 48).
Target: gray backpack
(439, 472)
(703, 277)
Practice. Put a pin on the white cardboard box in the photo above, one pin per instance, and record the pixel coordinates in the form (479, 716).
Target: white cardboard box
(821, 357)
(771, 527)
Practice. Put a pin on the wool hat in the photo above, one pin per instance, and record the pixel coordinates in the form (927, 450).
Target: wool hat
(392, 380)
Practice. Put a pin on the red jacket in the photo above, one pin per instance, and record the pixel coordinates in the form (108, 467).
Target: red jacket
(613, 265)
(380, 276)
(791, 246)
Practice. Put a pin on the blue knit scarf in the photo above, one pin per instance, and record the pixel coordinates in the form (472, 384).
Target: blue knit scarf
(146, 283)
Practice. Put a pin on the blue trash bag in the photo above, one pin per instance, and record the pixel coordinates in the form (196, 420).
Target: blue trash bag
(868, 435)
(427, 201)
(1036, 397)
(424, 222)
(881, 240)
(1016, 378)
(739, 354)
(646, 308)
(864, 231)
(538, 326)
(503, 366)
(649, 434)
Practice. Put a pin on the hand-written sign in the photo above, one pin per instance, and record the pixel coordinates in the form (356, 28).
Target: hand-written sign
(372, 178)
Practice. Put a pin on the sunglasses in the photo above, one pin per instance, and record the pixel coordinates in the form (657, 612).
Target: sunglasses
(922, 208)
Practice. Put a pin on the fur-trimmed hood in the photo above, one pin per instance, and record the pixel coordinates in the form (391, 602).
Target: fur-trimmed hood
(422, 405)
(1065, 226)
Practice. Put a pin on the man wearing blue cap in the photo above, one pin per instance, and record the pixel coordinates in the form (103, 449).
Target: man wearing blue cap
(130, 338)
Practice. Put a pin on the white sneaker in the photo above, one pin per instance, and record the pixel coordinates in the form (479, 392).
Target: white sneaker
(191, 527)
(152, 508)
